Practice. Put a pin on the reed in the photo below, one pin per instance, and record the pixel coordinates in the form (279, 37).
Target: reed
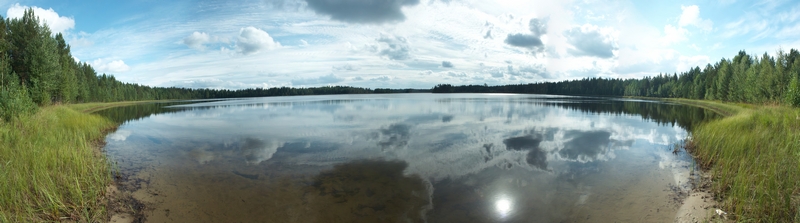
(753, 157)
(50, 167)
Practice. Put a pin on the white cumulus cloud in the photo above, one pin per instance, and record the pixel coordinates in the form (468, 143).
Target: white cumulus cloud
(110, 66)
(57, 24)
(691, 16)
(252, 40)
(198, 40)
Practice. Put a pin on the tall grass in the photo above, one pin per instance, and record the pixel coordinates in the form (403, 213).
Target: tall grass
(754, 161)
(49, 170)
(97, 106)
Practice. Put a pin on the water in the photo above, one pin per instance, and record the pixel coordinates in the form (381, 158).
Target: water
(406, 158)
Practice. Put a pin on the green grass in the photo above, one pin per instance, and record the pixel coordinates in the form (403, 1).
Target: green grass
(49, 168)
(97, 106)
(725, 109)
(753, 156)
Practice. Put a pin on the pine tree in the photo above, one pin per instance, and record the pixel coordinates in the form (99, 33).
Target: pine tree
(723, 81)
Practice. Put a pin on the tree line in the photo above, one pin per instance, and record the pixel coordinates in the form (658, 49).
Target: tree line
(745, 78)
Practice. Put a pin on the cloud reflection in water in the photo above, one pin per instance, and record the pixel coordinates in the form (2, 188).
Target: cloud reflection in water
(520, 136)
(535, 156)
(256, 151)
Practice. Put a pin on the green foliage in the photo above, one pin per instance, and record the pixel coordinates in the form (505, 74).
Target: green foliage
(793, 93)
(14, 99)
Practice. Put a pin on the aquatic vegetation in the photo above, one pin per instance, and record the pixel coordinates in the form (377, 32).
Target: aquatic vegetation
(49, 170)
(754, 160)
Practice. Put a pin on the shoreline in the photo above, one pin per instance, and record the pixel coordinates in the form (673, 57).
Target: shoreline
(120, 205)
(700, 205)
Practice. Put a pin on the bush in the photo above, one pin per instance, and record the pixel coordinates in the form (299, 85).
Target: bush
(793, 93)
(15, 101)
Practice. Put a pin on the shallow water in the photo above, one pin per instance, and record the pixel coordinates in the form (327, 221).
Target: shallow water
(406, 158)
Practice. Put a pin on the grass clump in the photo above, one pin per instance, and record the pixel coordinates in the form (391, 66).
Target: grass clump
(49, 170)
(754, 160)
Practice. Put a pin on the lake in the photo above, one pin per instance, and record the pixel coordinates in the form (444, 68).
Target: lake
(405, 158)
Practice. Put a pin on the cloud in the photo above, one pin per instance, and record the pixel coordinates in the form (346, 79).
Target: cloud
(381, 78)
(538, 27)
(523, 40)
(362, 11)
(327, 79)
(216, 83)
(691, 16)
(674, 34)
(447, 64)
(533, 41)
(685, 63)
(754, 26)
(393, 47)
(498, 74)
(81, 39)
(456, 74)
(57, 24)
(590, 40)
(110, 66)
(197, 40)
(530, 70)
(252, 40)
(80, 42)
(346, 67)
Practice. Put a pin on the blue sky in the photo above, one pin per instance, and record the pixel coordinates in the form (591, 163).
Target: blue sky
(408, 43)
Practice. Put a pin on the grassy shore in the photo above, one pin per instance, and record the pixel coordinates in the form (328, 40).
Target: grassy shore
(51, 168)
(753, 157)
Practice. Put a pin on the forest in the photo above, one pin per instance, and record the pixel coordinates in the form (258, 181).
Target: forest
(745, 78)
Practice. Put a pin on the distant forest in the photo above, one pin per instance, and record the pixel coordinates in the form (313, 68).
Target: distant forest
(37, 69)
(746, 78)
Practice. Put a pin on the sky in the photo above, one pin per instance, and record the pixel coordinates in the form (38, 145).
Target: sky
(407, 43)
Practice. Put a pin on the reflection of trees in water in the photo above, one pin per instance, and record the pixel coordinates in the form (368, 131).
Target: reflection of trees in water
(662, 113)
(684, 116)
(357, 191)
(136, 112)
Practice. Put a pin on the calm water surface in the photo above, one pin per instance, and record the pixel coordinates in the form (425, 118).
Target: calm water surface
(406, 158)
